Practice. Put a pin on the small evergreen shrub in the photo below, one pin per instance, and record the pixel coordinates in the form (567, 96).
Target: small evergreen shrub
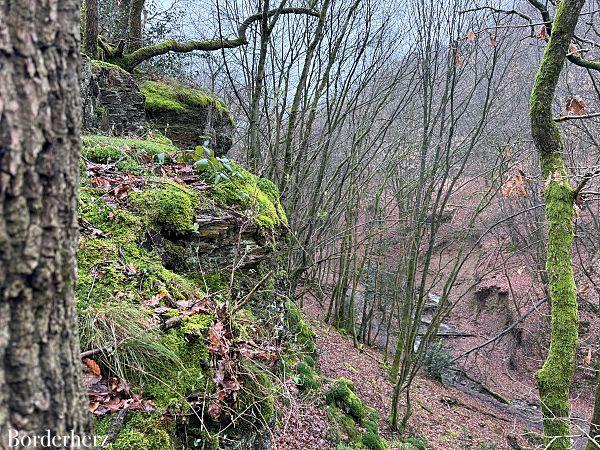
(307, 379)
(437, 361)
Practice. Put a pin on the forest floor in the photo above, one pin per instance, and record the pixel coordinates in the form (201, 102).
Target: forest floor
(446, 417)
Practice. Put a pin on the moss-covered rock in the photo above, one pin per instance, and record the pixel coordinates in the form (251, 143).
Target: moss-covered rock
(190, 117)
(140, 431)
(302, 337)
(307, 377)
(112, 101)
(234, 186)
(170, 208)
(342, 399)
(342, 394)
(135, 283)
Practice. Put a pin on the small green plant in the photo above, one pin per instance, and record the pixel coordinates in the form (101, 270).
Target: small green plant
(437, 361)
(219, 168)
(415, 443)
(307, 378)
(487, 446)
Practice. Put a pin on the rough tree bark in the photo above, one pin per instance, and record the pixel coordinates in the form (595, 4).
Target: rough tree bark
(134, 35)
(40, 114)
(89, 25)
(555, 376)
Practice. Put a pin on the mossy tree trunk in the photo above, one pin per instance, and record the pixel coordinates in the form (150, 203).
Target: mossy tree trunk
(40, 116)
(555, 376)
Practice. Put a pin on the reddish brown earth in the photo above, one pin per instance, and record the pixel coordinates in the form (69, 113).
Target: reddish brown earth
(448, 418)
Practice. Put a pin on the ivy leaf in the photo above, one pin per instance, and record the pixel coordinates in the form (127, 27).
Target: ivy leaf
(202, 163)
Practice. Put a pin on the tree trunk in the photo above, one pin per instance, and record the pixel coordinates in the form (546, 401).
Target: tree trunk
(134, 34)
(89, 11)
(40, 115)
(556, 374)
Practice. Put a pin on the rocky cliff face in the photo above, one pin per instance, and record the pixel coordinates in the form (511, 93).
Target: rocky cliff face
(189, 117)
(112, 101)
(118, 104)
(184, 321)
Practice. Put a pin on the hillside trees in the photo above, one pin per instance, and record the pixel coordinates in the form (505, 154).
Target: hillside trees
(129, 50)
(40, 368)
(594, 437)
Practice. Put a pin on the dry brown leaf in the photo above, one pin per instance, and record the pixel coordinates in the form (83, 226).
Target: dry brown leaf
(93, 406)
(542, 33)
(471, 37)
(573, 49)
(588, 358)
(214, 410)
(576, 105)
(93, 365)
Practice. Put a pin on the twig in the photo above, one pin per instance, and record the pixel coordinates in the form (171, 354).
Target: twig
(505, 331)
(250, 294)
(575, 116)
(586, 178)
(116, 426)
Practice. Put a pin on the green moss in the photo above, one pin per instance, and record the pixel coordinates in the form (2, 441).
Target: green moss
(177, 98)
(302, 335)
(257, 396)
(373, 441)
(102, 154)
(160, 97)
(197, 325)
(342, 395)
(129, 153)
(170, 383)
(554, 378)
(213, 282)
(154, 144)
(118, 275)
(110, 259)
(342, 427)
(307, 377)
(107, 65)
(100, 112)
(171, 207)
(141, 431)
(309, 360)
(235, 186)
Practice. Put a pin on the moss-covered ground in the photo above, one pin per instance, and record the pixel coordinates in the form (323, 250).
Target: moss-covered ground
(126, 295)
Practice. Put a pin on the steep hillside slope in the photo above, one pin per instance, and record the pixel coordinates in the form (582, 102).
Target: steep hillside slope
(181, 314)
